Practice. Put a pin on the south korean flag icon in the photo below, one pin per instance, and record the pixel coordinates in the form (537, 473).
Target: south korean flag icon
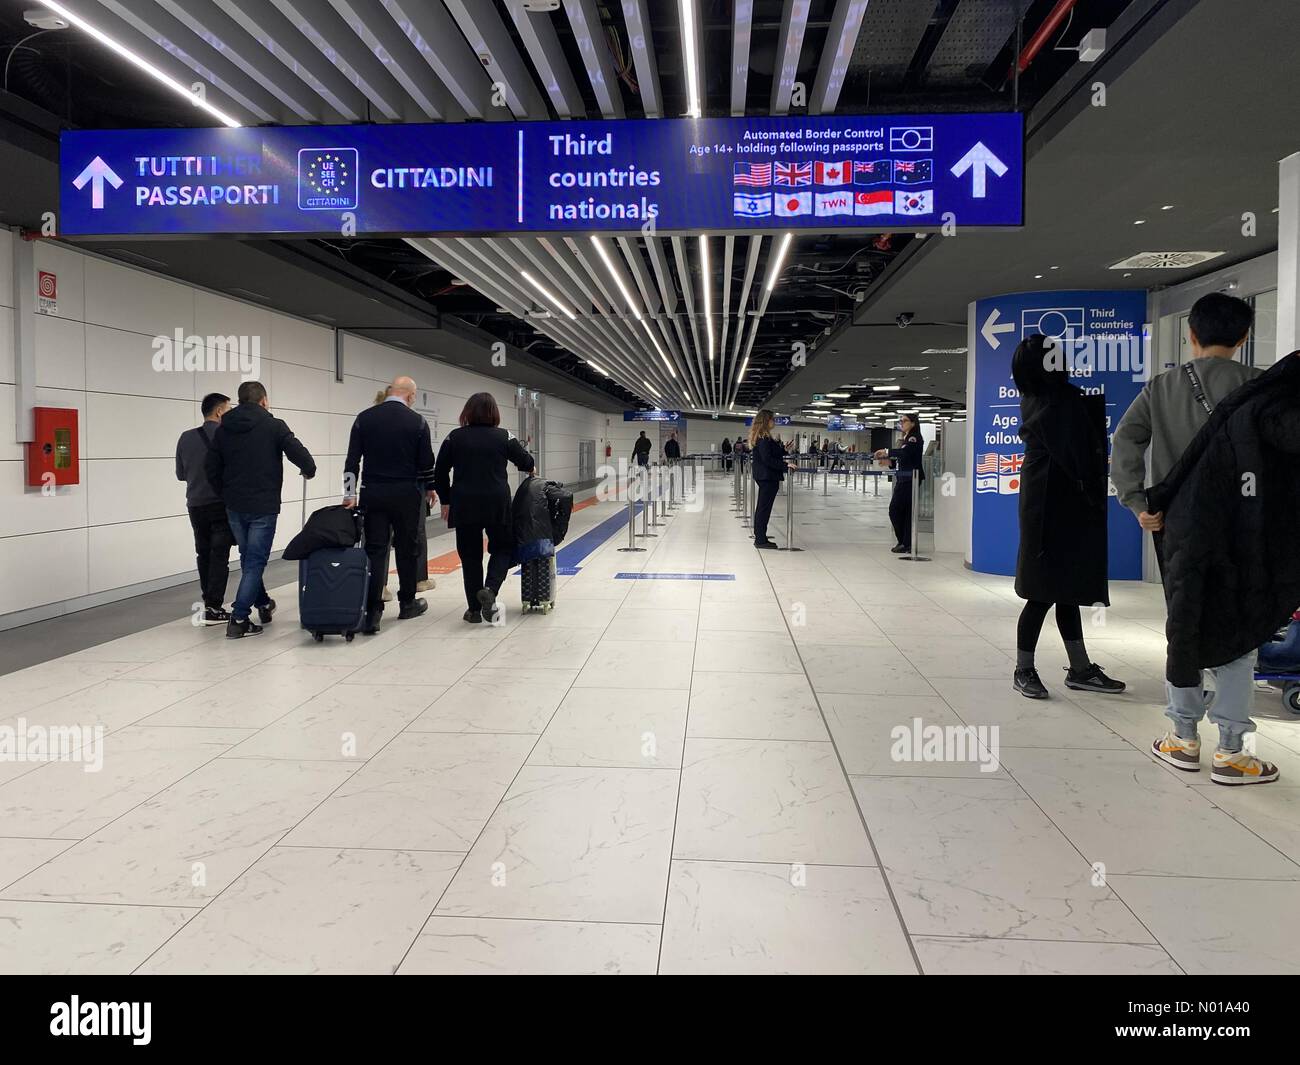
(914, 202)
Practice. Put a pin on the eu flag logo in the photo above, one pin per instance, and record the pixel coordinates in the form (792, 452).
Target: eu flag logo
(327, 179)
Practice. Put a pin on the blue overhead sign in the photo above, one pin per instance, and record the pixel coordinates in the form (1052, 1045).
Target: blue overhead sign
(652, 415)
(733, 174)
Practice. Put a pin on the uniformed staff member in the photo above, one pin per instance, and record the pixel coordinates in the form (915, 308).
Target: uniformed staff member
(907, 458)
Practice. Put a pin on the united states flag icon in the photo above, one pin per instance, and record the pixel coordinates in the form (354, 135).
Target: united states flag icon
(757, 174)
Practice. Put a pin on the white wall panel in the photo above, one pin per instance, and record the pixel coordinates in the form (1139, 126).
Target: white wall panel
(216, 315)
(124, 490)
(132, 552)
(61, 347)
(6, 344)
(296, 341)
(119, 361)
(124, 298)
(133, 426)
(48, 568)
(28, 511)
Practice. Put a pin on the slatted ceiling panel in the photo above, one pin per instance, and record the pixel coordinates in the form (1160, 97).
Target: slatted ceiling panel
(891, 31)
(975, 34)
(433, 34)
(537, 33)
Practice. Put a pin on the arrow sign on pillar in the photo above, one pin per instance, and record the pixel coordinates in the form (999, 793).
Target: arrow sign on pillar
(979, 160)
(991, 329)
(96, 173)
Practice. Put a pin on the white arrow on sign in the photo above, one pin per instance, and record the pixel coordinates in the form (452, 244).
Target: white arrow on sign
(979, 160)
(991, 329)
(96, 173)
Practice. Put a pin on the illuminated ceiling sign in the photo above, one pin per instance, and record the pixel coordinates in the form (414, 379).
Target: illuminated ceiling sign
(739, 175)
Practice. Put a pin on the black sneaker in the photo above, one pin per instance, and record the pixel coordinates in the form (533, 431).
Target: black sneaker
(413, 609)
(1028, 684)
(237, 630)
(1093, 679)
(473, 617)
(766, 545)
(487, 602)
(899, 549)
(371, 625)
(264, 613)
(216, 615)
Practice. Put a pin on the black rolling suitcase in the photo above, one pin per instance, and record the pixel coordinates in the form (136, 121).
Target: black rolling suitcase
(333, 583)
(537, 576)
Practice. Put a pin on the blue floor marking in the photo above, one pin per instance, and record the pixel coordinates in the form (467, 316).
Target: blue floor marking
(674, 576)
(569, 557)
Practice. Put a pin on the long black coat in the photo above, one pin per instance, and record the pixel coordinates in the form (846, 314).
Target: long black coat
(1063, 491)
(1232, 526)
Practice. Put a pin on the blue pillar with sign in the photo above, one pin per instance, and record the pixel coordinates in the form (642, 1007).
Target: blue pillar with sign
(1103, 336)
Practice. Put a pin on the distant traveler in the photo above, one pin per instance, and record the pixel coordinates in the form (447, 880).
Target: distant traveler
(908, 464)
(1164, 419)
(390, 457)
(1063, 501)
(641, 450)
(726, 453)
(470, 479)
(769, 471)
(246, 468)
(672, 449)
(1232, 571)
(212, 536)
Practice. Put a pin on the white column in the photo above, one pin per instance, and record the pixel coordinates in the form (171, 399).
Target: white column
(24, 302)
(1288, 255)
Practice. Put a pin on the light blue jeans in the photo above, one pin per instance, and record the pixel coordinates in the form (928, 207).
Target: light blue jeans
(254, 534)
(1234, 688)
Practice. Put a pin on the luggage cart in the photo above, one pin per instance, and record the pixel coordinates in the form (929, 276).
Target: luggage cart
(1279, 665)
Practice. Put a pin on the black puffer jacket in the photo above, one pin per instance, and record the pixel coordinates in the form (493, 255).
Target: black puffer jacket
(1232, 526)
(334, 526)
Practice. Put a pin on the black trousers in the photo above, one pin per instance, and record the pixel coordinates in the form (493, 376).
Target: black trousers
(900, 509)
(469, 546)
(1069, 622)
(393, 513)
(763, 508)
(212, 543)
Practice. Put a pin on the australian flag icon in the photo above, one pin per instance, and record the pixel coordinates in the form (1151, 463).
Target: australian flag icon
(912, 171)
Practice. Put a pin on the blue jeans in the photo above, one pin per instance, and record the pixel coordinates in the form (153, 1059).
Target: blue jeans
(1230, 708)
(254, 534)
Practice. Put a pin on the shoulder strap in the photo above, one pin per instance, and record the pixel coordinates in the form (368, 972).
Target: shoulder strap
(1197, 389)
(203, 435)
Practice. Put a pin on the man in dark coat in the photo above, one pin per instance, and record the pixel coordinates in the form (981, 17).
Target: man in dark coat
(1231, 509)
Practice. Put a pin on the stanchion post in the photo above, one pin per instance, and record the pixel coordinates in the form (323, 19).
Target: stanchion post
(915, 554)
(631, 517)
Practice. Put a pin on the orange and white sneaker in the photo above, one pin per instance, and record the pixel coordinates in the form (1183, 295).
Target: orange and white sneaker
(1238, 767)
(1180, 753)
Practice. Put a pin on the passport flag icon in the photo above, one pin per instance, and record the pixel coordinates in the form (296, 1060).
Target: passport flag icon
(752, 204)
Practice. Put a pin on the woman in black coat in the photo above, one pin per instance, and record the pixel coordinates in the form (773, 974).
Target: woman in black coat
(907, 457)
(1063, 500)
(470, 475)
(769, 465)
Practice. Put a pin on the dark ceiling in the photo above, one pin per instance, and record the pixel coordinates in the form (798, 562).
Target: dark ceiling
(910, 55)
(1188, 122)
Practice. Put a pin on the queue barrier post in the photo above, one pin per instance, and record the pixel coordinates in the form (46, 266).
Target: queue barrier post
(915, 554)
(631, 516)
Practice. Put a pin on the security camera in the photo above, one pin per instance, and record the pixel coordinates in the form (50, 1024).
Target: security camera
(904, 319)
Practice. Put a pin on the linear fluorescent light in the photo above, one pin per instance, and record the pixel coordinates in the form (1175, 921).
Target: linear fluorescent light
(838, 395)
(780, 260)
(597, 368)
(692, 68)
(879, 388)
(655, 341)
(627, 296)
(743, 367)
(705, 284)
(547, 293)
(140, 63)
(650, 388)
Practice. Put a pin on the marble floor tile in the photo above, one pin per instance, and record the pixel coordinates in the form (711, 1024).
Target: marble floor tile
(572, 845)
(753, 652)
(520, 698)
(308, 911)
(864, 668)
(757, 706)
(424, 791)
(956, 956)
(19, 856)
(742, 917)
(68, 939)
(635, 729)
(455, 946)
(638, 664)
(253, 699)
(767, 801)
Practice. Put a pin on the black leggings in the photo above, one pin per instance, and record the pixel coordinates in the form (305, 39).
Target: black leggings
(1068, 621)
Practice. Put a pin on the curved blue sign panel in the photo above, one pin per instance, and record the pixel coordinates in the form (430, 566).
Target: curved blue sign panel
(1100, 335)
(732, 174)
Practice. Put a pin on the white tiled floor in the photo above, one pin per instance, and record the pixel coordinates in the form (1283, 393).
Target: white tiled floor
(660, 776)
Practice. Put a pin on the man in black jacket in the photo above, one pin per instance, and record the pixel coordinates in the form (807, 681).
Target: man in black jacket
(672, 449)
(393, 443)
(212, 536)
(245, 467)
(641, 450)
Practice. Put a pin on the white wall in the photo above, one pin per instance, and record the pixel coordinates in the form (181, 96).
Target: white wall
(125, 525)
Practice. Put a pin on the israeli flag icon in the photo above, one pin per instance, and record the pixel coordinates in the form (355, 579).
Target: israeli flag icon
(327, 179)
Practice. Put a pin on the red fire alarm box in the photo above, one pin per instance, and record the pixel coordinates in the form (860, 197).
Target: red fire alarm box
(54, 454)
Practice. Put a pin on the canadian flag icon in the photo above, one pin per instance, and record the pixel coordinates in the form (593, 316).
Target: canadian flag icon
(831, 173)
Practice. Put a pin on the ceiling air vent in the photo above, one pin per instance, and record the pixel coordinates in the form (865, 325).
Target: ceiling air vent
(1165, 260)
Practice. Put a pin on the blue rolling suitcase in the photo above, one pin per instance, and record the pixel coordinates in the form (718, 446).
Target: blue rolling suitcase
(332, 585)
